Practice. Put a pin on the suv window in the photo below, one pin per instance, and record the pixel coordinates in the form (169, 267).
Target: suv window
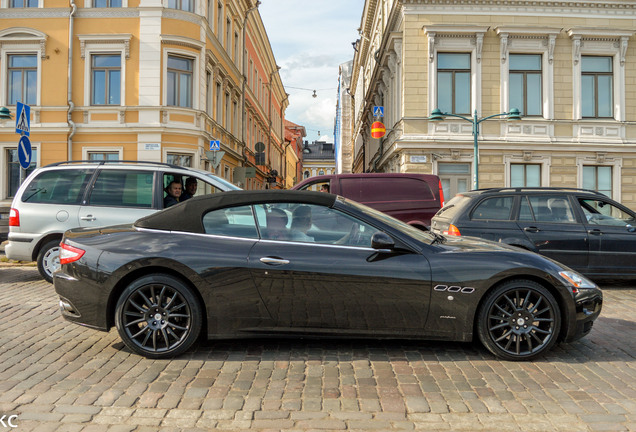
(599, 212)
(547, 208)
(123, 188)
(453, 207)
(496, 208)
(58, 187)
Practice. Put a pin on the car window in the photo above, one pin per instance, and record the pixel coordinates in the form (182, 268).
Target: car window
(316, 185)
(232, 222)
(122, 188)
(600, 212)
(452, 207)
(496, 208)
(312, 224)
(552, 208)
(57, 187)
(203, 187)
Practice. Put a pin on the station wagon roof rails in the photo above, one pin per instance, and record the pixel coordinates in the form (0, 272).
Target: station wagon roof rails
(537, 189)
(114, 162)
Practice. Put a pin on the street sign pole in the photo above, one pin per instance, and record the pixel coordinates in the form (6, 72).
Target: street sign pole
(23, 127)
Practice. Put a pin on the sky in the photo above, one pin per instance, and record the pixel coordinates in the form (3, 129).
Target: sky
(310, 39)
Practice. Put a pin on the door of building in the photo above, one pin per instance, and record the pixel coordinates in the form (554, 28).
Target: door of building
(455, 178)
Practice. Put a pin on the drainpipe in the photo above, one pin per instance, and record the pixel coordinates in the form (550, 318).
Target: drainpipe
(71, 105)
(243, 114)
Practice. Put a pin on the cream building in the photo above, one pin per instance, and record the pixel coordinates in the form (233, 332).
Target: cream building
(568, 66)
(149, 80)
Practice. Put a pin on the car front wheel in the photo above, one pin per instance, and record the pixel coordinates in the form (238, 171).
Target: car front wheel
(158, 316)
(519, 320)
(49, 259)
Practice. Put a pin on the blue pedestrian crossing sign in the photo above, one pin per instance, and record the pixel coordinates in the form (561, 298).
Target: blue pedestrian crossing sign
(23, 119)
(24, 152)
(378, 111)
(215, 145)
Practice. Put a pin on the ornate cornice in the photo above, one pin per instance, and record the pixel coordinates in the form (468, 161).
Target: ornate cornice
(181, 41)
(105, 39)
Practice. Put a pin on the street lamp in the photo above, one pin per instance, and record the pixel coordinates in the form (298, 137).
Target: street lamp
(438, 115)
(5, 114)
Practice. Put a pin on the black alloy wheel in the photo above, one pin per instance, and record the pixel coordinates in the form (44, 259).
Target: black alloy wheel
(158, 316)
(519, 320)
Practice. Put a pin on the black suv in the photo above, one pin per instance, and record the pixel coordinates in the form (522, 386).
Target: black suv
(580, 228)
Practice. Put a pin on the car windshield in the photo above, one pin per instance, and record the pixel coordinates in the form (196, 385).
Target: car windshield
(230, 186)
(417, 234)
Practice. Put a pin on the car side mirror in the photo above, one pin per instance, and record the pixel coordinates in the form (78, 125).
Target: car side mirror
(382, 242)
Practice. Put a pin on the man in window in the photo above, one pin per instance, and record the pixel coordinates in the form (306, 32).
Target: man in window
(191, 186)
(174, 192)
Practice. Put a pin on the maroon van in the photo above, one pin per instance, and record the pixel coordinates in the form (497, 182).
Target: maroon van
(412, 198)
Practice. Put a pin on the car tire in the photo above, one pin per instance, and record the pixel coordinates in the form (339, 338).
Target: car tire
(158, 316)
(49, 259)
(519, 320)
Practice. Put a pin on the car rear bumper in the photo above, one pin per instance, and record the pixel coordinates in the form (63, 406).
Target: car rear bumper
(588, 307)
(76, 302)
(20, 247)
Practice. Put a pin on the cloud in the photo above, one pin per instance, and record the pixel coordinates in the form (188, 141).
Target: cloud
(310, 40)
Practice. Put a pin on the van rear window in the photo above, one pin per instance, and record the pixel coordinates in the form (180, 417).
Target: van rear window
(57, 187)
(386, 189)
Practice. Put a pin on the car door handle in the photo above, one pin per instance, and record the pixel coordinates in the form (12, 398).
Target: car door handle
(595, 231)
(274, 261)
(88, 218)
(531, 229)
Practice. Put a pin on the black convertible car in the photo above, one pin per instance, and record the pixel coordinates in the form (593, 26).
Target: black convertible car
(307, 263)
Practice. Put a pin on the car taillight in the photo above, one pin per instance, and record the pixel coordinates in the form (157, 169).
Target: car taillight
(441, 193)
(69, 254)
(14, 217)
(452, 230)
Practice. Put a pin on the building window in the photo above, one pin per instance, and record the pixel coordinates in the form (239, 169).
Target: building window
(236, 47)
(597, 87)
(453, 82)
(184, 160)
(106, 79)
(180, 81)
(107, 3)
(219, 22)
(525, 175)
(219, 108)
(103, 156)
(13, 169)
(23, 79)
(598, 178)
(24, 3)
(185, 5)
(525, 84)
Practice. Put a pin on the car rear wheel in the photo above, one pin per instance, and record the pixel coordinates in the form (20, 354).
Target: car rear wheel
(158, 316)
(49, 259)
(519, 320)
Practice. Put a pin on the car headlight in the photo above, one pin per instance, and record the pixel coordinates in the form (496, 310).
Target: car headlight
(576, 280)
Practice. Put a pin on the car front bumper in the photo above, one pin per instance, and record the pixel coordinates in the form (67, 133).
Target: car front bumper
(589, 303)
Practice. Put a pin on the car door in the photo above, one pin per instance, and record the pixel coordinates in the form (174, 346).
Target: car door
(118, 196)
(553, 227)
(333, 280)
(612, 235)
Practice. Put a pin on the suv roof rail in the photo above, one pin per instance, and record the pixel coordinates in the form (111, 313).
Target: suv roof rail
(102, 162)
(539, 189)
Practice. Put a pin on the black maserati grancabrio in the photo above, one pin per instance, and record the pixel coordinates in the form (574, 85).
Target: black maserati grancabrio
(244, 263)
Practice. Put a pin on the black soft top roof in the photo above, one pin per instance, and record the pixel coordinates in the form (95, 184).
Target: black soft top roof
(186, 216)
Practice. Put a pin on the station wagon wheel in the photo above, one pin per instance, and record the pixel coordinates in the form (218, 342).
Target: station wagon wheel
(158, 316)
(49, 259)
(519, 320)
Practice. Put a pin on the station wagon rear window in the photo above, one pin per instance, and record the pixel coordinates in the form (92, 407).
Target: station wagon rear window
(58, 187)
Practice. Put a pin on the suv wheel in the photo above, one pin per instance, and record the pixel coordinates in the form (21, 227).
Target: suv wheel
(519, 320)
(49, 259)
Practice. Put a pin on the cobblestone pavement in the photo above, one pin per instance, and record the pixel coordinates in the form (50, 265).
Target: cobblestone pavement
(57, 376)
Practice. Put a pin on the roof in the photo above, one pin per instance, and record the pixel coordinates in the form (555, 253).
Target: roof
(186, 216)
(531, 190)
(319, 150)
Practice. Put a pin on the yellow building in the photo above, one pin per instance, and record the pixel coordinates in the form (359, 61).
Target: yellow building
(152, 80)
(568, 66)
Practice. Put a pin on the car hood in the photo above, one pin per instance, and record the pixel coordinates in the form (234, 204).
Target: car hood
(476, 244)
